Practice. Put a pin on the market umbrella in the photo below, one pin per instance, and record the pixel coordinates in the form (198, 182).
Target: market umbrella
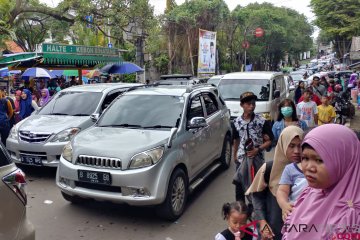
(36, 72)
(4, 72)
(93, 73)
(124, 68)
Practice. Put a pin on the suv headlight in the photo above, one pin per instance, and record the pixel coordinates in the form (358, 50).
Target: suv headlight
(66, 135)
(13, 132)
(67, 152)
(147, 158)
(266, 115)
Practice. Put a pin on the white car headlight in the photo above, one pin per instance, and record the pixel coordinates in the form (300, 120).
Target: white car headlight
(66, 135)
(13, 132)
(67, 152)
(146, 158)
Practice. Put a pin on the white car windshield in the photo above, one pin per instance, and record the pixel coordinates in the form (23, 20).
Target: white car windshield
(144, 111)
(230, 89)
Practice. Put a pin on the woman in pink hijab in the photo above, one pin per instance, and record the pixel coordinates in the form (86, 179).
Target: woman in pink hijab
(17, 105)
(45, 97)
(330, 207)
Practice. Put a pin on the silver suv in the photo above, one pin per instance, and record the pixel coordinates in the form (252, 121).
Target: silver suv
(152, 146)
(40, 138)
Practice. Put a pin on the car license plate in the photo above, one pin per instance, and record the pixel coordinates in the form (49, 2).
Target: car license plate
(31, 160)
(94, 177)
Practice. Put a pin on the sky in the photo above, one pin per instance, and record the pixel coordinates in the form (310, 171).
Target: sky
(301, 6)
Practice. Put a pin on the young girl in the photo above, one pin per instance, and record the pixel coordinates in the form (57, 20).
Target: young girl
(236, 214)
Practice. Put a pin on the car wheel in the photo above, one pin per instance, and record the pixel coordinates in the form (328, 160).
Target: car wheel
(72, 199)
(173, 206)
(225, 158)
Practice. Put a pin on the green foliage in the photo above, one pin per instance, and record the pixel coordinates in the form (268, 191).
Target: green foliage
(339, 21)
(128, 78)
(161, 63)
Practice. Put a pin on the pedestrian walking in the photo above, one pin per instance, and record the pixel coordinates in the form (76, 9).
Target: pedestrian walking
(45, 97)
(307, 110)
(17, 106)
(6, 113)
(236, 215)
(27, 105)
(318, 89)
(313, 98)
(326, 112)
(299, 91)
(331, 168)
(287, 117)
(265, 185)
(252, 135)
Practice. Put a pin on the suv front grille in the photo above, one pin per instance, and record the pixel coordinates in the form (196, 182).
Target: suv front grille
(31, 137)
(101, 162)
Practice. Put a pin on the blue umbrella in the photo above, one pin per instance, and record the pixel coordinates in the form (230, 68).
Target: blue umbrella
(56, 73)
(36, 72)
(4, 72)
(124, 68)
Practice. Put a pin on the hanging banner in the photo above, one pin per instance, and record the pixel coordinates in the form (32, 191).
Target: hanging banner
(207, 50)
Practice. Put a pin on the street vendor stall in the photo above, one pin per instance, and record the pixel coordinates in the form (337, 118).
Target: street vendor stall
(59, 56)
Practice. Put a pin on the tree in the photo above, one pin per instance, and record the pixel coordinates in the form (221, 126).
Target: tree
(339, 20)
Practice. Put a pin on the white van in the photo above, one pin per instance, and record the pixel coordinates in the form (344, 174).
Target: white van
(269, 87)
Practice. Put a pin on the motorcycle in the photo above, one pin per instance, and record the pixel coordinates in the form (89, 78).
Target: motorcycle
(344, 108)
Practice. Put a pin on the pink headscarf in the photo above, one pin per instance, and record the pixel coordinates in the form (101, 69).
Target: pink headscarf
(17, 102)
(338, 205)
(44, 100)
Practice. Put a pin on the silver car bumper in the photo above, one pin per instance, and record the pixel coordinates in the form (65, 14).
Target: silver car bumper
(48, 152)
(139, 187)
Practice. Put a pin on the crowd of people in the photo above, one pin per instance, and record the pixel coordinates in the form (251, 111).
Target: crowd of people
(309, 189)
(31, 95)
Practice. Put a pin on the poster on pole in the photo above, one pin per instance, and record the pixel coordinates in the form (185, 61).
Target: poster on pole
(206, 56)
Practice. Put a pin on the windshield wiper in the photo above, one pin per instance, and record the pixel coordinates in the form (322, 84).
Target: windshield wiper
(60, 114)
(122, 125)
(81, 114)
(158, 126)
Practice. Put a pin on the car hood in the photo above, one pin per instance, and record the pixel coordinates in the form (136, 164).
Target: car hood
(51, 123)
(117, 142)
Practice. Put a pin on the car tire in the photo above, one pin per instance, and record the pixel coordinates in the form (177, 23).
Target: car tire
(72, 199)
(174, 205)
(225, 158)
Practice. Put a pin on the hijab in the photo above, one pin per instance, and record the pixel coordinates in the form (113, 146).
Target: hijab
(280, 161)
(44, 100)
(17, 102)
(338, 205)
(25, 105)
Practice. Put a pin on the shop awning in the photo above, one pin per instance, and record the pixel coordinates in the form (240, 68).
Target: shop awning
(57, 56)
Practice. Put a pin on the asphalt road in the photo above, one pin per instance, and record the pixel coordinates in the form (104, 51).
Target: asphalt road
(56, 219)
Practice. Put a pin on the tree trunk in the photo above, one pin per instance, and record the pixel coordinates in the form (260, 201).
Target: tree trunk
(190, 52)
(170, 52)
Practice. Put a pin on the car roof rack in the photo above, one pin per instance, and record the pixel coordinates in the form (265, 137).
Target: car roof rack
(190, 88)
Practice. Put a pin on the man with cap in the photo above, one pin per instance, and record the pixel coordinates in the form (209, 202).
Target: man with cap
(252, 135)
(318, 89)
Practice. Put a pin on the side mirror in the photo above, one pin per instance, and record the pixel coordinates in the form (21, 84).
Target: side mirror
(292, 88)
(173, 132)
(276, 94)
(197, 122)
(94, 117)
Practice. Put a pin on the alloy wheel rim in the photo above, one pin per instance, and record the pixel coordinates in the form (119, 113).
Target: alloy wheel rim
(178, 194)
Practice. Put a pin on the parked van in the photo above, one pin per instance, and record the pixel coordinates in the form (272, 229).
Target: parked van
(269, 87)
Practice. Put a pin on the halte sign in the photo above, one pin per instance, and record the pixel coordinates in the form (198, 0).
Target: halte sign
(81, 50)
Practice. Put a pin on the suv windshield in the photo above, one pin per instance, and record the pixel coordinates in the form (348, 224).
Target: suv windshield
(72, 103)
(230, 89)
(144, 111)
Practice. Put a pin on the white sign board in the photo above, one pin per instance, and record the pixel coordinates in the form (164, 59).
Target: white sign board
(207, 50)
